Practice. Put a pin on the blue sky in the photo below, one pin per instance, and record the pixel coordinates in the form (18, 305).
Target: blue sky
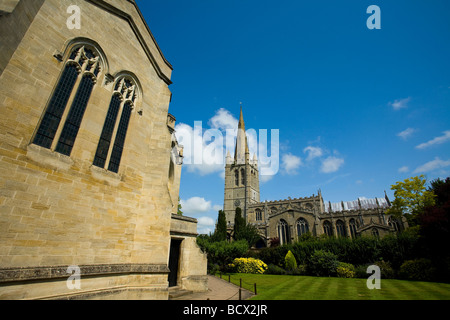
(356, 109)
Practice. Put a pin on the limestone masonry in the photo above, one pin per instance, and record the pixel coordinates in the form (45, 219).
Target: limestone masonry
(89, 166)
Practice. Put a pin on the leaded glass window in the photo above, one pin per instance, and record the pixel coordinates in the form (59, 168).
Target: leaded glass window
(283, 232)
(108, 128)
(83, 64)
(120, 139)
(73, 122)
(112, 140)
(302, 226)
(352, 225)
(340, 228)
(258, 215)
(327, 228)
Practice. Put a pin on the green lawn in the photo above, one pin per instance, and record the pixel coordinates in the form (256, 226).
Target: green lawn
(282, 287)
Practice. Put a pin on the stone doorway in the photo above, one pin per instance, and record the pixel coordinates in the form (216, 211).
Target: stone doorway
(174, 261)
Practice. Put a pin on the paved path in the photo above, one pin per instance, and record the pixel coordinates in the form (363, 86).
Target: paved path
(218, 289)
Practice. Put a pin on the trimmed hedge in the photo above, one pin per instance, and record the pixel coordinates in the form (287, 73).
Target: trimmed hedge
(359, 251)
(389, 253)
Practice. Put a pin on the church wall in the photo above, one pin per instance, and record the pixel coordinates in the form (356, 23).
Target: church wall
(57, 210)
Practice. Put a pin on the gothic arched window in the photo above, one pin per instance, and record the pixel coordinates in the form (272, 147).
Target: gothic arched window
(258, 214)
(112, 140)
(76, 83)
(236, 178)
(327, 228)
(352, 225)
(243, 177)
(283, 232)
(394, 224)
(302, 226)
(340, 228)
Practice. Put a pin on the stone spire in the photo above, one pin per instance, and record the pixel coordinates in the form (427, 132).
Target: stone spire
(241, 142)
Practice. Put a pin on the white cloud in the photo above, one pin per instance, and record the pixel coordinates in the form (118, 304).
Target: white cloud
(223, 119)
(265, 178)
(405, 134)
(313, 152)
(290, 163)
(403, 169)
(400, 104)
(205, 225)
(438, 140)
(195, 205)
(432, 165)
(331, 164)
(203, 151)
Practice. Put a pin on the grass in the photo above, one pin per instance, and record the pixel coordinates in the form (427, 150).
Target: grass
(285, 287)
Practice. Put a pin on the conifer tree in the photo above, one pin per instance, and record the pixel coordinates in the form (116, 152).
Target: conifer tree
(221, 228)
(239, 224)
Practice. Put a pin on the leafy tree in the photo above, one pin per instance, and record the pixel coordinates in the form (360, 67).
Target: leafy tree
(179, 207)
(250, 234)
(323, 263)
(411, 197)
(244, 231)
(435, 227)
(239, 224)
(221, 253)
(220, 234)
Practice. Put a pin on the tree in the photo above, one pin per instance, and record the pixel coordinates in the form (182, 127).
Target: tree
(179, 207)
(244, 231)
(239, 224)
(435, 226)
(220, 234)
(411, 198)
(290, 262)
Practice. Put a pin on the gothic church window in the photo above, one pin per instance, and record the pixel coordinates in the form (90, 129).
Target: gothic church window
(302, 226)
(283, 232)
(258, 215)
(76, 83)
(112, 140)
(327, 228)
(394, 224)
(243, 177)
(340, 228)
(352, 225)
(236, 178)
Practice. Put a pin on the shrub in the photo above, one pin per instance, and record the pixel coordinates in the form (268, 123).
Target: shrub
(345, 270)
(386, 270)
(361, 271)
(248, 265)
(222, 253)
(419, 269)
(323, 263)
(301, 269)
(274, 269)
(273, 255)
(290, 262)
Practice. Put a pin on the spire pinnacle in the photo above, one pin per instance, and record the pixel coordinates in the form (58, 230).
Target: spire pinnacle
(241, 141)
(241, 120)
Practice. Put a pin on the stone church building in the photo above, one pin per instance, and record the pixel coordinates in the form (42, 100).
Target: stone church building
(89, 165)
(287, 220)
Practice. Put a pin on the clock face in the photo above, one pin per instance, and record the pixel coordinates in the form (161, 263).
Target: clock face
(237, 203)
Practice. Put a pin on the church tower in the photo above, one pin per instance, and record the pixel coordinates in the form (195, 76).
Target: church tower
(241, 176)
